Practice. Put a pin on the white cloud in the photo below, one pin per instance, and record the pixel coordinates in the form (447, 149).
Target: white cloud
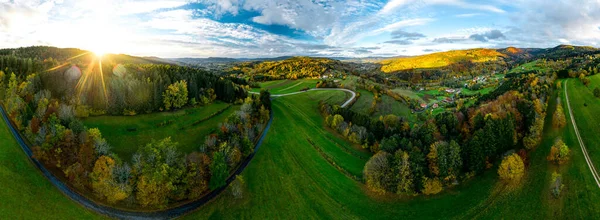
(393, 5)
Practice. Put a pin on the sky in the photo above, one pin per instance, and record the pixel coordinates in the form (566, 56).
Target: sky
(271, 28)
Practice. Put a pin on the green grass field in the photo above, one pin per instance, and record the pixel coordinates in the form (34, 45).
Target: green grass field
(388, 105)
(26, 193)
(481, 91)
(290, 179)
(180, 128)
(286, 86)
(587, 118)
(409, 93)
(526, 67)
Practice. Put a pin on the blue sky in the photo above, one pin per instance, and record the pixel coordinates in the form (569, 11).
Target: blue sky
(269, 28)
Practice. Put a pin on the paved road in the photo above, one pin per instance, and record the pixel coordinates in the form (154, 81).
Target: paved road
(581, 144)
(317, 89)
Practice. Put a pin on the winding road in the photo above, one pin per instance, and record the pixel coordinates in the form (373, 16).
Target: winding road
(162, 214)
(581, 144)
(317, 89)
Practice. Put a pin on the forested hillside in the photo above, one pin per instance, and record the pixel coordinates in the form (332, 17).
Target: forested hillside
(293, 68)
(441, 59)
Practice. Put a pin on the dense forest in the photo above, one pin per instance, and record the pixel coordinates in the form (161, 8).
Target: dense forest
(293, 68)
(46, 103)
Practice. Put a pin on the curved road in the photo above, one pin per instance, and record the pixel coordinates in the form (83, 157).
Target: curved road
(317, 89)
(163, 214)
(581, 144)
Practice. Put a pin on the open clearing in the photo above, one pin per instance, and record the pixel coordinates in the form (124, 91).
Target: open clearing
(587, 118)
(286, 86)
(179, 125)
(388, 105)
(25, 193)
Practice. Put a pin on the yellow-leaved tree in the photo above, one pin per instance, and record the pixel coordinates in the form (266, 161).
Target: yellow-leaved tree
(512, 168)
(176, 95)
(103, 182)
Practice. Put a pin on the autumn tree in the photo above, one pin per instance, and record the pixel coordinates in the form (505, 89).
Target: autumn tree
(559, 153)
(198, 174)
(597, 92)
(104, 184)
(376, 172)
(431, 186)
(558, 119)
(404, 175)
(511, 169)
(176, 95)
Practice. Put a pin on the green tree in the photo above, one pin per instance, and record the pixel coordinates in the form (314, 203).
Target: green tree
(176, 95)
(265, 98)
(219, 171)
(597, 92)
(162, 170)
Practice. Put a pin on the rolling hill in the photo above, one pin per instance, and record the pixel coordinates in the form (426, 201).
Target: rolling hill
(440, 59)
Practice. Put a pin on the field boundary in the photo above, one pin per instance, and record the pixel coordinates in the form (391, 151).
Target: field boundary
(580, 140)
(331, 162)
(210, 116)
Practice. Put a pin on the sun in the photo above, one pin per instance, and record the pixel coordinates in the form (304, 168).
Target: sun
(99, 52)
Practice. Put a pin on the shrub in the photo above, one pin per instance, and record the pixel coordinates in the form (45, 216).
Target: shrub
(431, 186)
(597, 92)
(556, 185)
(559, 152)
(237, 187)
(511, 169)
(82, 111)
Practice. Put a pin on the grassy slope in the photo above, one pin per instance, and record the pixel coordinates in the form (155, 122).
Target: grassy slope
(286, 86)
(527, 67)
(440, 59)
(473, 92)
(409, 93)
(289, 179)
(581, 194)
(587, 118)
(25, 193)
(125, 143)
(388, 105)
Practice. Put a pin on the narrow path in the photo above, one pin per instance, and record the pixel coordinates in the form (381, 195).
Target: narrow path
(581, 144)
(317, 89)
